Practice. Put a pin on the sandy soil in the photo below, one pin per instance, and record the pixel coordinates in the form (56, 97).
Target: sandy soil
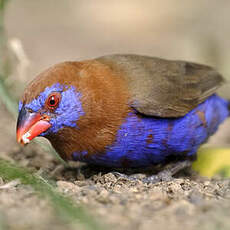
(188, 201)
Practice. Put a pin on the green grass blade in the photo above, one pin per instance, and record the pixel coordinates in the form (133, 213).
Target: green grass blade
(63, 206)
(8, 101)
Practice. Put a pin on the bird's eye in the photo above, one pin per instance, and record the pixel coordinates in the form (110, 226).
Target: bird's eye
(53, 100)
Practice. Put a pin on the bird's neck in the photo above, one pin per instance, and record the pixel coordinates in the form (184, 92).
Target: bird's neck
(105, 105)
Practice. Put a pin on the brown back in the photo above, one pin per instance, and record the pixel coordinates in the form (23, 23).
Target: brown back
(161, 87)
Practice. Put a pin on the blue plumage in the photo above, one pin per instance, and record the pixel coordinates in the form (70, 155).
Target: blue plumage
(142, 141)
(68, 112)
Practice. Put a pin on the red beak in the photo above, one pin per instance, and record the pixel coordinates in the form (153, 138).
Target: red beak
(30, 125)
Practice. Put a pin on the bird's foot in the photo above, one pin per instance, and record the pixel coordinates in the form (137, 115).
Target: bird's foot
(164, 175)
(126, 177)
(168, 173)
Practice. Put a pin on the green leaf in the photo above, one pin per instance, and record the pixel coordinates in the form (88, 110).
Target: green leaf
(64, 206)
(212, 161)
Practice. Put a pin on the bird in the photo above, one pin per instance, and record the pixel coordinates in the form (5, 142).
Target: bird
(123, 110)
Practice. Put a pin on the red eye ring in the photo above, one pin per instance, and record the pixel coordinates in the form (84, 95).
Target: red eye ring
(53, 100)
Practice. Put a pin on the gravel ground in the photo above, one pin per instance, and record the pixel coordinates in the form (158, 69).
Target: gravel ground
(188, 201)
(177, 204)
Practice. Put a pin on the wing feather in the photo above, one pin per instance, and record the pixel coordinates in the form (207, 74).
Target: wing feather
(164, 88)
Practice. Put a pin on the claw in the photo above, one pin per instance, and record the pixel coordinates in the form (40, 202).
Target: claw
(165, 175)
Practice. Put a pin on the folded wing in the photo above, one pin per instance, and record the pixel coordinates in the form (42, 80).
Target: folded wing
(164, 88)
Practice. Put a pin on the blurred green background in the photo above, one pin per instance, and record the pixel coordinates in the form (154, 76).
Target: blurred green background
(42, 33)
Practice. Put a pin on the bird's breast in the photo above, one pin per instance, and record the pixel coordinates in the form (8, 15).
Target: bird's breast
(105, 106)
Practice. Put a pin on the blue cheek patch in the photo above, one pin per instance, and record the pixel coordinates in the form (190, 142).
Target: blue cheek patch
(39, 102)
(68, 111)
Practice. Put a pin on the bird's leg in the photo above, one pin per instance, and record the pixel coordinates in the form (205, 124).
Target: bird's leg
(164, 175)
(124, 176)
(167, 174)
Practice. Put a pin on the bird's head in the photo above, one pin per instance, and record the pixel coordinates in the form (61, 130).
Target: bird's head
(50, 102)
(78, 106)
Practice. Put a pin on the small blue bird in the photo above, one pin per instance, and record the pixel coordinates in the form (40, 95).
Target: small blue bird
(123, 110)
